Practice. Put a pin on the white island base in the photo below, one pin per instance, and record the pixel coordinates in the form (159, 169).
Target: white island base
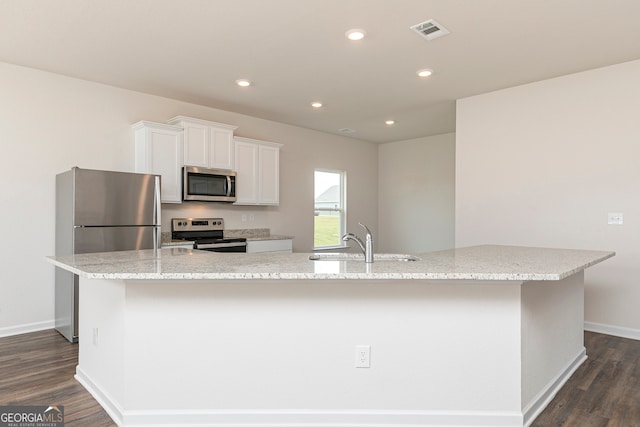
(282, 352)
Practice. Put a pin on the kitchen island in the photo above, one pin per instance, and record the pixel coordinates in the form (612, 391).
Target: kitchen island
(484, 335)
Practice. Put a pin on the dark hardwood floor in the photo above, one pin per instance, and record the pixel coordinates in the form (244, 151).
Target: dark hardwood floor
(38, 369)
(604, 391)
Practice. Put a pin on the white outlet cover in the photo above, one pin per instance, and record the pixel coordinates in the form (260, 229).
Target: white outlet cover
(363, 356)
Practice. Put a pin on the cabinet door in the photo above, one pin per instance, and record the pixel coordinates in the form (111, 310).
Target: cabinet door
(247, 167)
(196, 145)
(221, 150)
(268, 180)
(159, 151)
(207, 144)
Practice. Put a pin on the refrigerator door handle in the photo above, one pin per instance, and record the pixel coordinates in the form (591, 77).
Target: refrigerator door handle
(157, 213)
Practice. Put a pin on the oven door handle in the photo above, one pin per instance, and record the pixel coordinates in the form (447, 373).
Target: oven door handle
(219, 245)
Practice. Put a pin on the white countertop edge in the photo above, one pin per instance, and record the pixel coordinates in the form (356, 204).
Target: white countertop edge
(323, 276)
(295, 274)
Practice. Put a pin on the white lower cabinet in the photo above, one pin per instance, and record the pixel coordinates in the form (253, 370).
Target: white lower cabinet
(273, 246)
(258, 166)
(159, 150)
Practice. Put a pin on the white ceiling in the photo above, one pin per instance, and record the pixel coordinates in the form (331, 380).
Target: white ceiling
(295, 52)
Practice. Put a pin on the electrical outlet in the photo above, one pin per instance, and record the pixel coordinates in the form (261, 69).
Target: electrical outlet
(363, 356)
(95, 336)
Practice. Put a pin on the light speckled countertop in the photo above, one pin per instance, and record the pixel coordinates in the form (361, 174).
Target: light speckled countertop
(487, 262)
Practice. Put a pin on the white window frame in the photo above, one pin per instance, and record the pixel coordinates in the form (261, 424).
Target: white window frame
(342, 209)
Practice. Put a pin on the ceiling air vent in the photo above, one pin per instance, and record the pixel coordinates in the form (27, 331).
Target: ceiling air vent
(430, 29)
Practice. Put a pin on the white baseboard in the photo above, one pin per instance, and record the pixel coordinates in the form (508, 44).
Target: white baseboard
(617, 331)
(294, 418)
(104, 399)
(284, 418)
(26, 328)
(542, 399)
(309, 418)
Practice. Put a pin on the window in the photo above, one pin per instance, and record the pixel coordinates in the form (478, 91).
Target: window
(330, 202)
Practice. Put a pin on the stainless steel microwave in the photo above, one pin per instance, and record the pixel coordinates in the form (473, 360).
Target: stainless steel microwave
(208, 185)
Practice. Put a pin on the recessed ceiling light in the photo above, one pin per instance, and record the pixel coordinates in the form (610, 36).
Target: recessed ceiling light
(389, 122)
(316, 104)
(424, 73)
(355, 34)
(243, 82)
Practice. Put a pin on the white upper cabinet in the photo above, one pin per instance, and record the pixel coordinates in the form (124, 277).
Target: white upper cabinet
(164, 149)
(159, 150)
(206, 144)
(268, 174)
(246, 154)
(258, 166)
(221, 150)
(196, 145)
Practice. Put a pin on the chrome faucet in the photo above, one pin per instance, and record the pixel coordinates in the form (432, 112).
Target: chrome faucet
(366, 247)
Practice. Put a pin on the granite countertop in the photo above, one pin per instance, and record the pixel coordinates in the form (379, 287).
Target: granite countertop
(486, 262)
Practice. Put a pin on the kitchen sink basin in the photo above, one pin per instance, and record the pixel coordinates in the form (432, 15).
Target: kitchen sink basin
(360, 257)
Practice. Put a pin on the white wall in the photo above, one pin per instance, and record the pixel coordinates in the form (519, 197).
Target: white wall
(542, 165)
(49, 123)
(416, 194)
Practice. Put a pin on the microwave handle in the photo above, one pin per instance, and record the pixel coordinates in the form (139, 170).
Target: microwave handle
(228, 186)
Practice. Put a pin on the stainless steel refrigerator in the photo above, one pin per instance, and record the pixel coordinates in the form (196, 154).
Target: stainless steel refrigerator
(100, 211)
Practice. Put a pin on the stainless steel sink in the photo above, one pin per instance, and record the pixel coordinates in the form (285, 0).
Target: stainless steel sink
(360, 257)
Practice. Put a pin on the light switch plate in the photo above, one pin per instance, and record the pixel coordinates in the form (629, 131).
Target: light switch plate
(615, 218)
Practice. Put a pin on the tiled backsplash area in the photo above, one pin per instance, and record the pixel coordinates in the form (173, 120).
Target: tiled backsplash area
(248, 232)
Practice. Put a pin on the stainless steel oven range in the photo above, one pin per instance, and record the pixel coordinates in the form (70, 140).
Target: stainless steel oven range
(207, 233)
